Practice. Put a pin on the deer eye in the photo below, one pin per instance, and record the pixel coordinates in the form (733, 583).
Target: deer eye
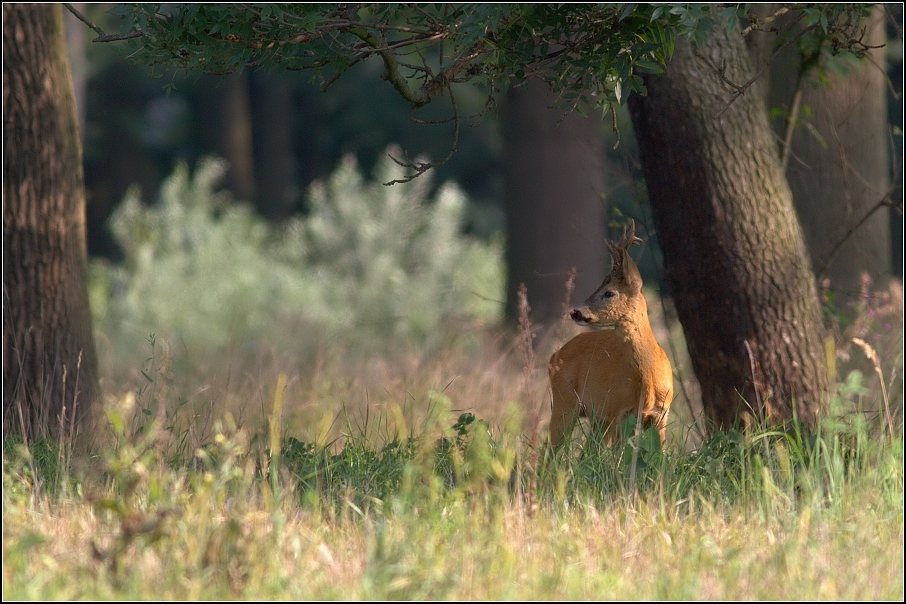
(610, 294)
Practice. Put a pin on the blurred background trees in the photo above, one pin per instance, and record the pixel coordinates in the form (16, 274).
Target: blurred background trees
(275, 129)
(549, 182)
(545, 177)
(278, 133)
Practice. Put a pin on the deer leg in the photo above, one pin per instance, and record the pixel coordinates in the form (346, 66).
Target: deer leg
(563, 415)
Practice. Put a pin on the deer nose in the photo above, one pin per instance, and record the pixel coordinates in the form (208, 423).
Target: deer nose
(576, 315)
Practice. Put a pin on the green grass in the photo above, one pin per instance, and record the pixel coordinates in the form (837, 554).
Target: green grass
(275, 446)
(406, 495)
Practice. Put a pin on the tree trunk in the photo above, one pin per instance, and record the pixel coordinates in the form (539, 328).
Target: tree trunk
(49, 361)
(274, 133)
(554, 212)
(734, 255)
(226, 128)
(838, 180)
(76, 34)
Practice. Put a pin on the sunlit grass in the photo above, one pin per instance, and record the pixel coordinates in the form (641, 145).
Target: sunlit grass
(386, 488)
(333, 461)
(464, 546)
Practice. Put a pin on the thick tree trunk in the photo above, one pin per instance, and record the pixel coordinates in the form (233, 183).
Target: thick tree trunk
(554, 211)
(838, 180)
(734, 255)
(49, 361)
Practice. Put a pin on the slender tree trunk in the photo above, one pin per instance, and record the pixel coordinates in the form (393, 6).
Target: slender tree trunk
(274, 133)
(120, 160)
(226, 128)
(839, 178)
(49, 361)
(555, 215)
(734, 255)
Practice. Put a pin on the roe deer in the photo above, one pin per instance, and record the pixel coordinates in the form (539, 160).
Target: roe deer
(619, 370)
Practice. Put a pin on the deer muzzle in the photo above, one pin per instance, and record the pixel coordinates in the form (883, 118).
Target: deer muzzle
(583, 316)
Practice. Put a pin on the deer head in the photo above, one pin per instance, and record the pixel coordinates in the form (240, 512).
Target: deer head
(620, 296)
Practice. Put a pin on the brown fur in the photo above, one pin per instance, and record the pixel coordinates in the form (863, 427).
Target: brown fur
(609, 374)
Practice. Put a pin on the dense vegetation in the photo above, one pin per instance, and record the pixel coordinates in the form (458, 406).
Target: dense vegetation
(478, 514)
(282, 468)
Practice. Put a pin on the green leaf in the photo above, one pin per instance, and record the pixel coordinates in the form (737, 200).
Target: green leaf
(648, 67)
(120, 9)
(650, 441)
(627, 10)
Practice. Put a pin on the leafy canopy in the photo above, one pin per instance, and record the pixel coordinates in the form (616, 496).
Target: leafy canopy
(591, 54)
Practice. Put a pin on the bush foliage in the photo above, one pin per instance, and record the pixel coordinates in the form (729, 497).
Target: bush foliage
(371, 264)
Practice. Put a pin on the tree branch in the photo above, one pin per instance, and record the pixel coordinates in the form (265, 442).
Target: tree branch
(102, 37)
(756, 24)
(883, 202)
(422, 167)
(741, 90)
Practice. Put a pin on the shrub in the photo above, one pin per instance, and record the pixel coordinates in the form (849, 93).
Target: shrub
(370, 265)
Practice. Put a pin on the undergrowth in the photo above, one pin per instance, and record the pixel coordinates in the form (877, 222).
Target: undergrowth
(444, 504)
(384, 462)
(731, 467)
(369, 266)
(200, 518)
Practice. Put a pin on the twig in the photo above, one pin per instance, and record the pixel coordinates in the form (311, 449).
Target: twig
(883, 202)
(741, 90)
(616, 128)
(790, 127)
(754, 379)
(798, 159)
(756, 24)
(422, 167)
(525, 327)
(887, 80)
(102, 37)
(570, 286)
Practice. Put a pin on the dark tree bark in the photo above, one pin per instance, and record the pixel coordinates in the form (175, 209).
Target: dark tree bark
(734, 255)
(120, 160)
(49, 361)
(838, 180)
(554, 212)
(273, 117)
(225, 127)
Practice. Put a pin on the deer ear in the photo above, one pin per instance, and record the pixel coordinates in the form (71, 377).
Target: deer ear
(630, 272)
(624, 269)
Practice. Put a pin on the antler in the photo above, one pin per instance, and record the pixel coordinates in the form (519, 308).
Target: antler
(629, 237)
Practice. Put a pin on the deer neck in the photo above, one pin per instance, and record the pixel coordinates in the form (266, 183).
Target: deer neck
(635, 332)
